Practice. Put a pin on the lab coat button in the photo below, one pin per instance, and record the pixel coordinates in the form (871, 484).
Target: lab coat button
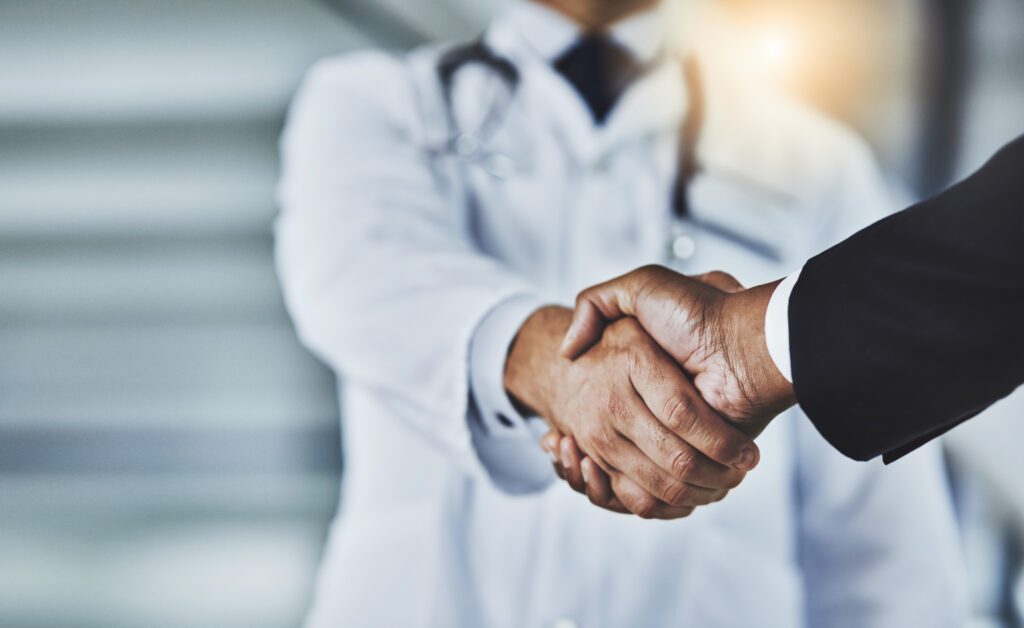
(501, 166)
(684, 247)
(466, 144)
(564, 622)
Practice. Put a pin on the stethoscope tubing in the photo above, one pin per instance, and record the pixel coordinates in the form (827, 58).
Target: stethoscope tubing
(471, 146)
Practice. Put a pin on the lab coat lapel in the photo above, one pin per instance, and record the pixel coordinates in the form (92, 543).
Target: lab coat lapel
(655, 104)
(552, 99)
(742, 133)
(744, 183)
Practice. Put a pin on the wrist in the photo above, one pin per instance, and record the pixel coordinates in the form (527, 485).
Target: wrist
(534, 364)
(764, 385)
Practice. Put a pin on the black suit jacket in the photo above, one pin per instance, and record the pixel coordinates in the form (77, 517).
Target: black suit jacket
(915, 324)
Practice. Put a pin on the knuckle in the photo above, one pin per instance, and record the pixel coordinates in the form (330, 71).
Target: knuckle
(686, 512)
(680, 413)
(601, 439)
(718, 446)
(683, 464)
(734, 480)
(645, 507)
(675, 494)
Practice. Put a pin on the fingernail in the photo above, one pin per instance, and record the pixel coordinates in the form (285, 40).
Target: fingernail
(565, 456)
(586, 473)
(747, 459)
(551, 452)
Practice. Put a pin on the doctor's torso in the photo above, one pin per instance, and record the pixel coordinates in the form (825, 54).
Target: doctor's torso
(565, 211)
(565, 203)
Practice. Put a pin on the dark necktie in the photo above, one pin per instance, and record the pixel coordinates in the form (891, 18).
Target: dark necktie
(600, 70)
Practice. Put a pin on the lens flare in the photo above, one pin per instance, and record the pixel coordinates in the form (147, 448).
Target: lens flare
(775, 51)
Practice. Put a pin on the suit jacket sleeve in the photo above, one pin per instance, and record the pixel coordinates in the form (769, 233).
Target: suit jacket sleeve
(916, 323)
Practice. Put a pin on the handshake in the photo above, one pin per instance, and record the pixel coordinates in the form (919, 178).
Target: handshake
(654, 388)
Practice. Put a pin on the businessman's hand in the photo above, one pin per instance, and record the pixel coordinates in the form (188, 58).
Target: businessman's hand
(578, 469)
(713, 330)
(632, 410)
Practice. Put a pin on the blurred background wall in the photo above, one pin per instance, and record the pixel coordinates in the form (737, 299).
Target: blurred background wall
(169, 455)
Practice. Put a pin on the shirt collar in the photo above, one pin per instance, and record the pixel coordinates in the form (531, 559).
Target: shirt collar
(548, 33)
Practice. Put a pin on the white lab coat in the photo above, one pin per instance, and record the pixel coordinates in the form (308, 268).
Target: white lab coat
(393, 252)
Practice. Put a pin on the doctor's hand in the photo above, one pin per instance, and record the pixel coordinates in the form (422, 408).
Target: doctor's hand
(633, 412)
(582, 475)
(710, 326)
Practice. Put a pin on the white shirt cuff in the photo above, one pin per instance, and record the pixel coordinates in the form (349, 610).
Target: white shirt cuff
(776, 326)
(507, 443)
(487, 355)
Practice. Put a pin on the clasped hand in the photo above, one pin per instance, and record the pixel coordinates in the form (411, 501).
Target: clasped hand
(654, 389)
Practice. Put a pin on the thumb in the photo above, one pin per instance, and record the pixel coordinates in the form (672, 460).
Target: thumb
(587, 326)
(596, 307)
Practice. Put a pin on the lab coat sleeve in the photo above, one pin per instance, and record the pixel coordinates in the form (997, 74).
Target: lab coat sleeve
(378, 269)
(879, 545)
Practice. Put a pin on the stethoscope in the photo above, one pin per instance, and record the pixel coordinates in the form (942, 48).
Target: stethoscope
(472, 145)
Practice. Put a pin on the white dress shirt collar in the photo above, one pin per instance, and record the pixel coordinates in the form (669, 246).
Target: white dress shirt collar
(549, 33)
(532, 36)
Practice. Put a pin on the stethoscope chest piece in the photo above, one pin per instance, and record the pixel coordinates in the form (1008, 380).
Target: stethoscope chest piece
(681, 246)
(470, 149)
